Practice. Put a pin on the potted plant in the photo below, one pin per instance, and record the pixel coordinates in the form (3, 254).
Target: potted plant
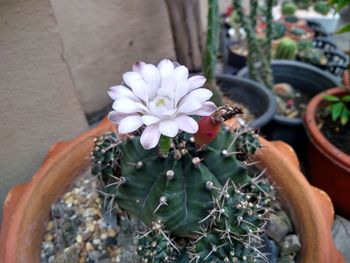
(315, 11)
(235, 89)
(327, 123)
(304, 82)
(178, 174)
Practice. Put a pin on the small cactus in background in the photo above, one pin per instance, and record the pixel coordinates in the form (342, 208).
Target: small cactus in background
(198, 199)
(286, 49)
(304, 45)
(288, 8)
(297, 31)
(313, 56)
(303, 4)
(278, 30)
(322, 7)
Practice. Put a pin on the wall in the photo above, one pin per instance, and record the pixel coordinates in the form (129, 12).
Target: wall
(102, 39)
(38, 105)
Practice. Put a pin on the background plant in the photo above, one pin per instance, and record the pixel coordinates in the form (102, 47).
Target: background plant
(339, 108)
(258, 54)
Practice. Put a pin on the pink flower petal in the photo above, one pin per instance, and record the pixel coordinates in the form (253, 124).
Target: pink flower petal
(207, 109)
(150, 74)
(198, 94)
(150, 137)
(116, 117)
(181, 73)
(196, 82)
(124, 105)
(189, 106)
(181, 90)
(118, 92)
(168, 128)
(138, 66)
(187, 124)
(130, 124)
(167, 87)
(137, 84)
(166, 68)
(149, 119)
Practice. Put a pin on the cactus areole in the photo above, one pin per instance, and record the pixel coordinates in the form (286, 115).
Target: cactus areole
(199, 190)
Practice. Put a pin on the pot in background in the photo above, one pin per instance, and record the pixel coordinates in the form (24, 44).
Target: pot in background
(255, 96)
(302, 77)
(328, 167)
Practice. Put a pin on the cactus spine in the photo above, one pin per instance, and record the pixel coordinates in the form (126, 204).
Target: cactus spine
(199, 204)
(286, 49)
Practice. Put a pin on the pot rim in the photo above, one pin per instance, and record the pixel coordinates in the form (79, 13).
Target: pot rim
(317, 138)
(269, 113)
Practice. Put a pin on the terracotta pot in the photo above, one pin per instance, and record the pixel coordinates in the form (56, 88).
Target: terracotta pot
(328, 167)
(27, 207)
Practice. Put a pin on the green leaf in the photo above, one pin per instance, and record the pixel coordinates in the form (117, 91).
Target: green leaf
(346, 98)
(343, 29)
(331, 98)
(344, 118)
(336, 110)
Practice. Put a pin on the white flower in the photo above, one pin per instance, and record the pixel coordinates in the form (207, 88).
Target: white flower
(162, 98)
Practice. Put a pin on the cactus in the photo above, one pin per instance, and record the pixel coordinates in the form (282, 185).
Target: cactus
(322, 7)
(303, 4)
(211, 50)
(257, 53)
(313, 56)
(297, 31)
(286, 49)
(200, 203)
(304, 45)
(291, 19)
(288, 8)
(278, 30)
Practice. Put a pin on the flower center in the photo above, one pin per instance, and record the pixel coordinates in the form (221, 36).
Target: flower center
(160, 102)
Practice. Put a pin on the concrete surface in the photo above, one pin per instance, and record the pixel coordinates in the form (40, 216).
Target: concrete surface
(102, 39)
(38, 104)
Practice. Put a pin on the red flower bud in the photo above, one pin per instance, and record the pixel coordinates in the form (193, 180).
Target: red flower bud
(207, 131)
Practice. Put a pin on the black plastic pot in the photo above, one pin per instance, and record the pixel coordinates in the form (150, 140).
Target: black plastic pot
(256, 97)
(306, 78)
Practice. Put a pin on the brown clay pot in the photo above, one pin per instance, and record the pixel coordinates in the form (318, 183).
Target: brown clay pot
(27, 207)
(328, 167)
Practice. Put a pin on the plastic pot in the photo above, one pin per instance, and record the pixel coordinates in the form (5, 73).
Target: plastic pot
(27, 207)
(255, 96)
(303, 77)
(328, 167)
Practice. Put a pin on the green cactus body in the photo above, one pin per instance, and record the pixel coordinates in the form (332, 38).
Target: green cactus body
(297, 31)
(304, 45)
(288, 8)
(322, 7)
(291, 19)
(278, 30)
(313, 56)
(184, 195)
(303, 4)
(286, 49)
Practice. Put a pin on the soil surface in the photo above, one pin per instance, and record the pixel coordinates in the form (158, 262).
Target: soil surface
(247, 115)
(291, 103)
(337, 134)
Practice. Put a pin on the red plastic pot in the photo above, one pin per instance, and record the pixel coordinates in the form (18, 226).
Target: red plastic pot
(328, 167)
